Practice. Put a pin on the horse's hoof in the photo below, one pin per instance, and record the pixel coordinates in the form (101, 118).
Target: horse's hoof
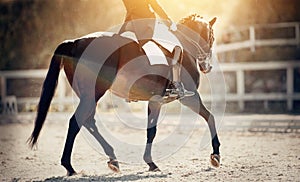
(215, 160)
(153, 167)
(155, 170)
(73, 173)
(69, 174)
(114, 166)
(69, 168)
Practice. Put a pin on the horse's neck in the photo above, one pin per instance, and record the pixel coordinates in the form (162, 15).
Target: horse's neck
(189, 45)
(188, 33)
(190, 52)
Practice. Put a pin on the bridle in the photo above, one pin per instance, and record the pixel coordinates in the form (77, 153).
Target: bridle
(206, 57)
(202, 56)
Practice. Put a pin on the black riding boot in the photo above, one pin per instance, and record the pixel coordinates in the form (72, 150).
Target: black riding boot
(177, 87)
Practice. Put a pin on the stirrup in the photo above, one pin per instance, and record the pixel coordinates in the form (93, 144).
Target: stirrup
(179, 91)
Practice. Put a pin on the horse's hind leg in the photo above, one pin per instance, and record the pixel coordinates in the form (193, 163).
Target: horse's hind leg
(153, 113)
(66, 157)
(84, 111)
(195, 103)
(109, 151)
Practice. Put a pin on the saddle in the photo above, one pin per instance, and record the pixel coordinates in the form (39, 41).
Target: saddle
(153, 75)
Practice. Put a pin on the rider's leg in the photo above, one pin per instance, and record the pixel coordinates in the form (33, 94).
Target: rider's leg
(178, 88)
(142, 28)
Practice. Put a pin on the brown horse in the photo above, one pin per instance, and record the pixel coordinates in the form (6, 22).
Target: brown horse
(106, 61)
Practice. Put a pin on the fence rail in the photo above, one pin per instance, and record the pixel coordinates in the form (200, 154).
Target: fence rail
(254, 41)
(238, 68)
(241, 96)
(60, 98)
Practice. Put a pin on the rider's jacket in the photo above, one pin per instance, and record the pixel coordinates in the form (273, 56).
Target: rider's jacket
(138, 9)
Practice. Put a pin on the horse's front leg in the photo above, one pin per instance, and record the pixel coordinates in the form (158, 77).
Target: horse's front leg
(153, 113)
(195, 104)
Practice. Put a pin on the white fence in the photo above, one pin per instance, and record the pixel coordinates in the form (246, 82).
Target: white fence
(241, 96)
(254, 41)
(239, 68)
(60, 98)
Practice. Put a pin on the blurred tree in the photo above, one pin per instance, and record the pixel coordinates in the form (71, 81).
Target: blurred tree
(31, 30)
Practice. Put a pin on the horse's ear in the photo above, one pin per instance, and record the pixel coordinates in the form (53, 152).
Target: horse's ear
(213, 21)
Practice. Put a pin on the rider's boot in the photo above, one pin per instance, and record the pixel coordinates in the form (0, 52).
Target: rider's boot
(177, 87)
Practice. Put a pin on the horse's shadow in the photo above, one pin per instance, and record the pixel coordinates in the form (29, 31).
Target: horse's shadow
(110, 177)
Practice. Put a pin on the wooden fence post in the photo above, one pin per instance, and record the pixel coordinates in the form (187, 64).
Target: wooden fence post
(252, 38)
(290, 87)
(61, 91)
(240, 77)
(3, 87)
(297, 32)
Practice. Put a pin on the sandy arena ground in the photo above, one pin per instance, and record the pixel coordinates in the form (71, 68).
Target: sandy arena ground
(246, 156)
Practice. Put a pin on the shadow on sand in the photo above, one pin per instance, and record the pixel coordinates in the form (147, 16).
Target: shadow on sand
(109, 177)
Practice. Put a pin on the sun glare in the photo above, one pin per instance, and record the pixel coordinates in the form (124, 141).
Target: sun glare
(223, 10)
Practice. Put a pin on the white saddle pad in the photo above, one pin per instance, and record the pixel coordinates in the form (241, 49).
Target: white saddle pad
(162, 36)
(154, 54)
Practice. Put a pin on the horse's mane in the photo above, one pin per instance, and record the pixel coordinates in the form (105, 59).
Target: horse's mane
(194, 19)
(190, 18)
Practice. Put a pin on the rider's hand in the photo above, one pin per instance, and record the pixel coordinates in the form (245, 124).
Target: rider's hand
(173, 27)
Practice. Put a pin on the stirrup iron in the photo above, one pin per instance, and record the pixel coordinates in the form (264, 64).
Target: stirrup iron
(178, 91)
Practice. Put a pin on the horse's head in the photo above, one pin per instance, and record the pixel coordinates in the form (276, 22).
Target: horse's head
(201, 37)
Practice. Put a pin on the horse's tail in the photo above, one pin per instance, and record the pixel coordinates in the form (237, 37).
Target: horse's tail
(48, 91)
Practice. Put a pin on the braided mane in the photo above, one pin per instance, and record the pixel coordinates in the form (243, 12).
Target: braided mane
(193, 21)
(190, 18)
